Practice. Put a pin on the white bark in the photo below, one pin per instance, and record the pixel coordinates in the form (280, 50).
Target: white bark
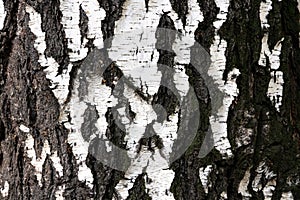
(276, 82)
(218, 121)
(243, 190)
(37, 162)
(24, 128)
(2, 14)
(204, 174)
(5, 189)
(59, 193)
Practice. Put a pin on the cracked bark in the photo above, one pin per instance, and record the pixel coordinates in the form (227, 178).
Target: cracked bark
(27, 99)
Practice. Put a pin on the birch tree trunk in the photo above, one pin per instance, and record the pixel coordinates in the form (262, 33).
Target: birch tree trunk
(55, 55)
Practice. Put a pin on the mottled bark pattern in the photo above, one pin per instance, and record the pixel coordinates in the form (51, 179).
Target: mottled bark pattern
(27, 99)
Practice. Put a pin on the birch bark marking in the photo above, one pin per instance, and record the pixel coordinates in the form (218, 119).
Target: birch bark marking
(75, 107)
(59, 83)
(2, 14)
(204, 174)
(5, 189)
(37, 163)
(218, 121)
(135, 18)
(70, 22)
(243, 186)
(276, 82)
(44, 160)
(263, 172)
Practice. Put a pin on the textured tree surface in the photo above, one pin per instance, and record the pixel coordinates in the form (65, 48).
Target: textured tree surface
(263, 129)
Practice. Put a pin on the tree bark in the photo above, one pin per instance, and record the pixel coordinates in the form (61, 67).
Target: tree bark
(45, 69)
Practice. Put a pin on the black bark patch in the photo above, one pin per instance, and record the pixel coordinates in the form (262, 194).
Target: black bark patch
(113, 13)
(138, 191)
(181, 8)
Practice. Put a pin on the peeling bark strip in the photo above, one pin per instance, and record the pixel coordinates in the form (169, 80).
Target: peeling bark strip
(49, 132)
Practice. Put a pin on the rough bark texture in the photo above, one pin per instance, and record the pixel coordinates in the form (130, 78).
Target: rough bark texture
(27, 99)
